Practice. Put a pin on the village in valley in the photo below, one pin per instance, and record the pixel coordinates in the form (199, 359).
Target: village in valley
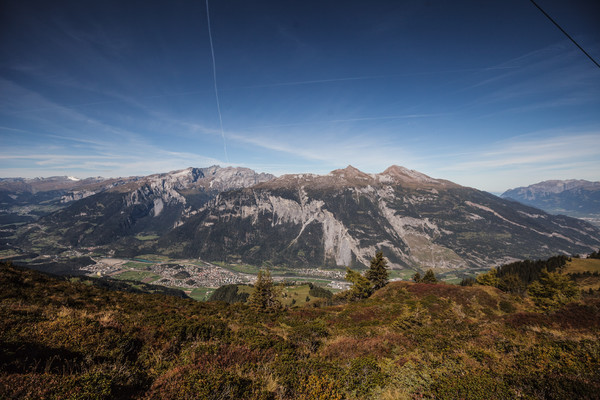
(193, 274)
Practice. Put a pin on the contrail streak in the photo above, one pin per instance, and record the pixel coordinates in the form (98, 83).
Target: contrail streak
(391, 117)
(367, 77)
(354, 78)
(212, 52)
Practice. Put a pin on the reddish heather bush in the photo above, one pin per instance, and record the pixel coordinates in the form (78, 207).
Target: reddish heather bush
(463, 295)
(378, 346)
(523, 320)
(209, 384)
(578, 316)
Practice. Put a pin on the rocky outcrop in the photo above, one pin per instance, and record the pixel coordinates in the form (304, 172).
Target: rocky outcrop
(166, 189)
(76, 195)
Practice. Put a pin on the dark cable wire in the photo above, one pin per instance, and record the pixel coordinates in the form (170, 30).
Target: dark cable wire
(566, 34)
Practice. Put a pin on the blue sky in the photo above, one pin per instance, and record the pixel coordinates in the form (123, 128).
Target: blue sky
(486, 94)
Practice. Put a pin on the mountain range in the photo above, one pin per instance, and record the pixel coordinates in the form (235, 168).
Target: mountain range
(236, 215)
(573, 197)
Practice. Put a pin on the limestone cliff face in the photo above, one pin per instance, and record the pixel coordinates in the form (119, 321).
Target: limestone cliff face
(163, 190)
(344, 217)
(76, 195)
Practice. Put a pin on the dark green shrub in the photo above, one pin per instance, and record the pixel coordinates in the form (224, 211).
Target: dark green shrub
(507, 307)
(214, 384)
(471, 385)
(363, 375)
(318, 291)
(309, 334)
(229, 294)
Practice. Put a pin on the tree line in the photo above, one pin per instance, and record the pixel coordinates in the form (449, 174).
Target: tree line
(540, 279)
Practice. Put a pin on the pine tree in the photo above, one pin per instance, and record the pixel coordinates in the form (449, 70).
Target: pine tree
(377, 273)
(417, 277)
(490, 278)
(265, 294)
(429, 277)
(511, 283)
(552, 290)
(361, 286)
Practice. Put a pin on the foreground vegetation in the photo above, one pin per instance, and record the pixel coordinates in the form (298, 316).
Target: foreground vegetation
(72, 340)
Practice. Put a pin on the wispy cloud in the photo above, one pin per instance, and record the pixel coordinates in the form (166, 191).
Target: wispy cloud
(518, 152)
(333, 150)
(359, 119)
(373, 77)
(70, 141)
(109, 165)
(546, 78)
(527, 159)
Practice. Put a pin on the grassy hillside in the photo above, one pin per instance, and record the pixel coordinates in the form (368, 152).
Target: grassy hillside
(583, 265)
(71, 340)
(585, 271)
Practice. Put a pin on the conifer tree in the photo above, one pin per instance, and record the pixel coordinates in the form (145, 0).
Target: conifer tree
(489, 278)
(595, 254)
(265, 294)
(417, 277)
(511, 283)
(552, 290)
(377, 273)
(361, 286)
(429, 277)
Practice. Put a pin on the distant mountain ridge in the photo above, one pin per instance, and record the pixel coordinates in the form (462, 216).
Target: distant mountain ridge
(342, 218)
(24, 200)
(58, 191)
(152, 204)
(34, 185)
(575, 198)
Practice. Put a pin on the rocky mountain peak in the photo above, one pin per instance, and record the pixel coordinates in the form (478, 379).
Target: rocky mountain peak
(411, 177)
(210, 178)
(179, 178)
(234, 177)
(351, 176)
(396, 170)
(349, 171)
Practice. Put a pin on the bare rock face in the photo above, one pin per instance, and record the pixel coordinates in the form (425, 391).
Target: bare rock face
(166, 189)
(76, 195)
(223, 179)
